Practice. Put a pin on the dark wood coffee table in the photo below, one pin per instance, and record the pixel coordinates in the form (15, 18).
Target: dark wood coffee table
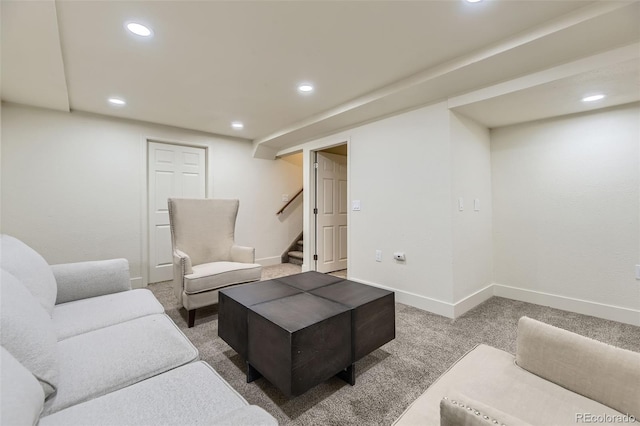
(300, 330)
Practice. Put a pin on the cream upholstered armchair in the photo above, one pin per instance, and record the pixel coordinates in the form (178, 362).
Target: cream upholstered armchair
(205, 257)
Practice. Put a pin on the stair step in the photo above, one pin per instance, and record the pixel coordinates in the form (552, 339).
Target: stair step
(296, 254)
(301, 243)
(295, 257)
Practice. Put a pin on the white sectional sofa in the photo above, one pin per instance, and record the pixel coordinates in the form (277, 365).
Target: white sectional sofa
(80, 347)
(556, 378)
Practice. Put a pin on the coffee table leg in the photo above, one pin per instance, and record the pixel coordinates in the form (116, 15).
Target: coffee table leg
(252, 373)
(348, 374)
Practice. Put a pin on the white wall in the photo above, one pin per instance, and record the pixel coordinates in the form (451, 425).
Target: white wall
(559, 210)
(565, 212)
(74, 185)
(472, 232)
(405, 170)
(400, 171)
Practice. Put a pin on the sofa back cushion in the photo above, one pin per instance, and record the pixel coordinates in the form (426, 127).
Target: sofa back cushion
(22, 396)
(601, 372)
(27, 332)
(30, 268)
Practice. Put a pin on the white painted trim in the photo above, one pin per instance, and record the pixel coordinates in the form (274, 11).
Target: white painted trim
(418, 301)
(144, 184)
(455, 310)
(472, 300)
(310, 191)
(137, 282)
(600, 310)
(270, 261)
(144, 212)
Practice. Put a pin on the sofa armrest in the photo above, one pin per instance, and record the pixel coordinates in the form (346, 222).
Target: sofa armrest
(603, 373)
(183, 261)
(243, 254)
(83, 280)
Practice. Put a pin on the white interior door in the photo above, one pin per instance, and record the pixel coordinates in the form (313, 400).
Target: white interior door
(174, 171)
(332, 212)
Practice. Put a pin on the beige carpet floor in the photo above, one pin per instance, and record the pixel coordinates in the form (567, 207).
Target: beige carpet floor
(390, 378)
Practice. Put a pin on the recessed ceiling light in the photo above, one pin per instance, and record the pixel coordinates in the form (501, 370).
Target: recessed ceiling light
(237, 125)
(139, 29)
(117, 101)
(474, 1)
(592, 98)
(305, 87)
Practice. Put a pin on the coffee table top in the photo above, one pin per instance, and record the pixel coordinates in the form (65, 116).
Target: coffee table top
(307, 281)
(299, 311)
(350, 293)
(252, 293)
(313, 284)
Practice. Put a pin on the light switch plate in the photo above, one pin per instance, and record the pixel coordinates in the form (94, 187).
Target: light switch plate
(355, 205)
(637, 272)
(285, 197)
(461, 204)
(476, 204)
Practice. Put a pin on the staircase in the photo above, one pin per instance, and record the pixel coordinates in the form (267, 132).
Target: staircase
(294, 254)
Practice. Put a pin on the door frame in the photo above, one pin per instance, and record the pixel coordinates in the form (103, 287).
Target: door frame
(144, 193)
(309, 224)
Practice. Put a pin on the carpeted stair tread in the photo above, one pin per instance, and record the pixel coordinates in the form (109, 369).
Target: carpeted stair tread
(295, 257)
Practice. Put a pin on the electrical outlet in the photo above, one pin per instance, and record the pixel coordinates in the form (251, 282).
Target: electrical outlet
(285, 197)
(378, 255)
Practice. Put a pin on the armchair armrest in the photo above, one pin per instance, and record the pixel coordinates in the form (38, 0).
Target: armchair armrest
(243, 254)
(83, 280)
(183, 261)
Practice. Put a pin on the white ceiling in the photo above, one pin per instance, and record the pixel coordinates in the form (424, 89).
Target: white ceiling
(210, 63)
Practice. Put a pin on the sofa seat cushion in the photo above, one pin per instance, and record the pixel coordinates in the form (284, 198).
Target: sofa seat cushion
(215, 275)
(104, 360)
(27, 332)
(491, 377)
(188, 395)
(82, 316)
(31, 269)
(22, 396)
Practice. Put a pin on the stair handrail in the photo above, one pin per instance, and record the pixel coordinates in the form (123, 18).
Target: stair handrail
(289, 202)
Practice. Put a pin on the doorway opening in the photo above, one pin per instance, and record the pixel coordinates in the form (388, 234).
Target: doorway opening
(330, 210)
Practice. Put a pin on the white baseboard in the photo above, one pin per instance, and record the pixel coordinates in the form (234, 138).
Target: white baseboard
(454, 310)
(270, 261)
(600, 310)
(421, 302)
(472, 300)
(137, 282)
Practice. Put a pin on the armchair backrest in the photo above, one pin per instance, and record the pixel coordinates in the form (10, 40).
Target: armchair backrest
(203, 228)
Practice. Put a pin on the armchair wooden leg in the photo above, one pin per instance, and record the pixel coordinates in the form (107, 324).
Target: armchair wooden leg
(192, 318)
